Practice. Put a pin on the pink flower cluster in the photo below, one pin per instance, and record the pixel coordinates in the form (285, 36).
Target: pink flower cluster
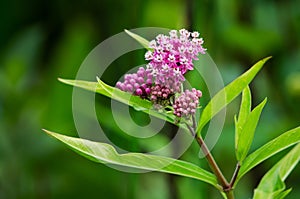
(169, 77)
(186, 104)
(176, 51)
(170, 58)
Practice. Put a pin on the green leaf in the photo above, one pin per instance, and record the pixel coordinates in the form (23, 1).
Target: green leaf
(109, 91)
(245, 109)
(247, 131)
(229, 93)
(141, 40)
(245, 105)
(124, 97)
(272, 184)
(279, 194)
(106, 154)
(278, 144)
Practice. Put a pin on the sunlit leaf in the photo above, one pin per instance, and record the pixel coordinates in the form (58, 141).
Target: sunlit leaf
(272, 184)
(109, 91)
(124, 97)
(278, 144)
(106, 154)
(247, 131)
(144, 42)
(245, 109)
(279, 194)
(229, 93)
(245, 106)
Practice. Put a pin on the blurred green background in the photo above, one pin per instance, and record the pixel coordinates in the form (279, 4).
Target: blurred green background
(43, 40)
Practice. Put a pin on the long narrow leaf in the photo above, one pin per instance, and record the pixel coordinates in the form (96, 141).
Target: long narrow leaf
(124, 97)
(245, 106)
(229, 93)
(105, 153)
(106, 90)
(247, 132)
(144, 42)
(278, 144)
(245, 110)
(272, 184)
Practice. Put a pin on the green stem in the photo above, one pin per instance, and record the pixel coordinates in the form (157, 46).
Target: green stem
(212, 163)
(230, 194)
(227, 187)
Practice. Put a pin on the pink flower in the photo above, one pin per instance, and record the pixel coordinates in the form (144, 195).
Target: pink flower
(166, 76)
(176, 52)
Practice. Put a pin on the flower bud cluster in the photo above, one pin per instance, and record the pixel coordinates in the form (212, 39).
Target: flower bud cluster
(160, 94)
(138, 83)
(186, 104)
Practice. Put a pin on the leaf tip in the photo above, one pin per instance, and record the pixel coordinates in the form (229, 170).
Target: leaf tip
(46, 131)
(266, 59)
(65, 81)
(98, 79)
(60, 79)
(265, 100)
(53, 134)
(128, 32)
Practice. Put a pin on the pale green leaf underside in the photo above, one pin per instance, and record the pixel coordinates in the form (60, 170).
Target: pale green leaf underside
(105, 153)
(247, 132)
(141, 40)
(104, 89)
(124, 97)
(229, 93)
(272, 184)
(276, 145)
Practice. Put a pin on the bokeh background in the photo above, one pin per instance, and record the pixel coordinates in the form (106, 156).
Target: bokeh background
(43, 40)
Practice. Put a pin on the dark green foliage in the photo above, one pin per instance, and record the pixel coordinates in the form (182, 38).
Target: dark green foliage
(41, 41)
